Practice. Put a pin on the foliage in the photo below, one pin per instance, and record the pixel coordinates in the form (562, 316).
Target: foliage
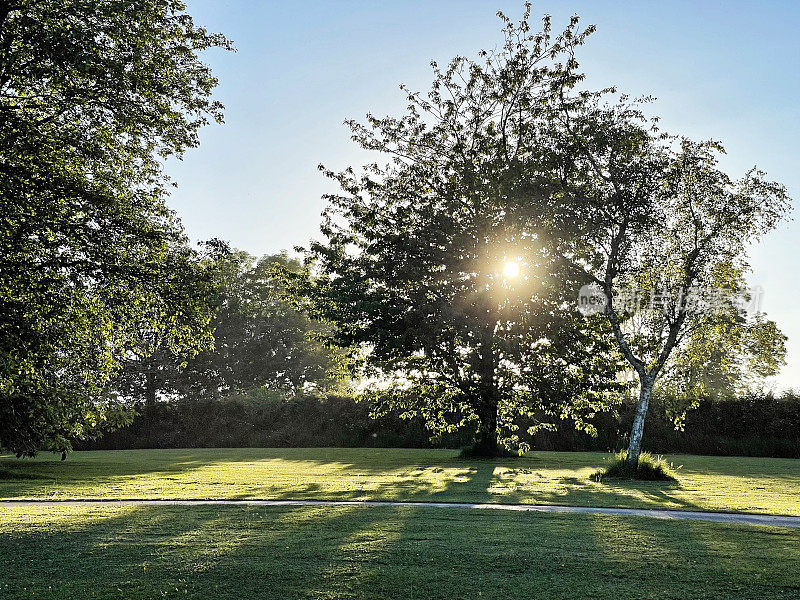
(751, 425)
(411, 268)
(93, 97)
(264, 418)
(649, 468)
(626, 207)
(755, 424)
(726, 355)
(260, 340)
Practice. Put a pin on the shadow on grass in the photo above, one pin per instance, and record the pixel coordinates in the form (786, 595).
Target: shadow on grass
(336, 474)
(387, 552)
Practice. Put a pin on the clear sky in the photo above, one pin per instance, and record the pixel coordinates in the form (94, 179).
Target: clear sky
(725, 70)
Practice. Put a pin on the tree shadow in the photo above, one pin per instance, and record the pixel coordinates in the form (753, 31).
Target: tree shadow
(388, 552)
(342, 474)
(706, 559)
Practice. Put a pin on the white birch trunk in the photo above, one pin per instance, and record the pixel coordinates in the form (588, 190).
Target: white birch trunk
(646, 382)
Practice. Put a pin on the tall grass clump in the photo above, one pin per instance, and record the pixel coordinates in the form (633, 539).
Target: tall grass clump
(650, 468)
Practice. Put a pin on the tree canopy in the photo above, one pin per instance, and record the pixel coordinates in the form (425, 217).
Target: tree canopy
(429, 269)
(93, 97)
(508, 158)
(653, 222)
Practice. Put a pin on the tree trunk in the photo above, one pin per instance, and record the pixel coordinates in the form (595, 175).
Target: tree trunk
(487, 441)
(150, 388)
(637, 430)
(487, 409)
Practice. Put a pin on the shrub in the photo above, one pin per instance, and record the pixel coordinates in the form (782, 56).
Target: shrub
(260, 418)
(649, 468)
(757, 424)
(754, 425)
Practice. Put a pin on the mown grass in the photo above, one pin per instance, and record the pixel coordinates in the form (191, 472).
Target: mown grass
(80, 552)
(704, 482)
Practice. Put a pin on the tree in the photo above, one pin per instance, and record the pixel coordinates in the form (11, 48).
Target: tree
(727, 355)
(655, 225)
(411, 270)
(93, 95)
(151, 369)
(259, 340)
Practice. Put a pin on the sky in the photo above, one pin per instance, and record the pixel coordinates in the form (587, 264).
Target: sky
(728, 71)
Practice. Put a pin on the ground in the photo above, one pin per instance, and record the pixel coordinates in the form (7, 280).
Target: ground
(390, 552)
(738, 484)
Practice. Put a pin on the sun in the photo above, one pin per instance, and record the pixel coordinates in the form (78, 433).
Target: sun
(511, 269)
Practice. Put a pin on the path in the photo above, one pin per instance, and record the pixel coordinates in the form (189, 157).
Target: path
(720, 517)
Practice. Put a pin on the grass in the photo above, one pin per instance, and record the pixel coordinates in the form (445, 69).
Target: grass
(137, 553)
(648, 468)
(353, 552)
(16, 474)
(734, 484)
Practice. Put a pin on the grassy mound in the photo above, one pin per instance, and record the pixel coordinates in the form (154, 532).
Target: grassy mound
(649, 468)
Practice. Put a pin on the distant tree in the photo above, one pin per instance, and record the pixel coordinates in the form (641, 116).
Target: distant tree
(418, 264)
(728, 355)
(93, 95)
(259, 340)
(150, 369)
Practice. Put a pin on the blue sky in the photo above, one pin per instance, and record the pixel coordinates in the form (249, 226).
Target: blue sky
(723, 70)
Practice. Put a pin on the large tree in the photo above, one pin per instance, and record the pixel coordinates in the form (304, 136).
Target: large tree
(428, 268)
(93, 96)
(654, 224)
(260, 339)
(508, 156)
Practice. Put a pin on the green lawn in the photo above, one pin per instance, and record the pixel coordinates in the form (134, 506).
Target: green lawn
(238, 552)
(704, 483)
(387, 552)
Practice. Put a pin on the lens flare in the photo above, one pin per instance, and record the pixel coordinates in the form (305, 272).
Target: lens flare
(511, 269)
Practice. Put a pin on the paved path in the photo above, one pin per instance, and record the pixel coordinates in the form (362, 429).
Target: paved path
(749, 519)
